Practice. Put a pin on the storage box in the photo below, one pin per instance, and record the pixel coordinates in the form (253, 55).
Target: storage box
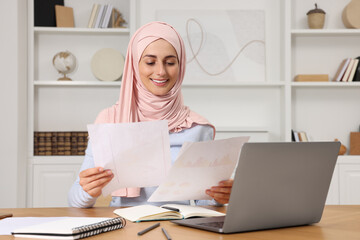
(312, 78)
(355, 143)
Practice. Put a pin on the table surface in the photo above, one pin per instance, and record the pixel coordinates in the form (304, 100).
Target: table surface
(338, 222)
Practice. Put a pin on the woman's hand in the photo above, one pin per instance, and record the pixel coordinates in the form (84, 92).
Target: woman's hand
(93, 180)
(221, 193)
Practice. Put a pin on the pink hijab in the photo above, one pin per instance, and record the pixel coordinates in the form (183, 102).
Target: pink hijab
(137, 104)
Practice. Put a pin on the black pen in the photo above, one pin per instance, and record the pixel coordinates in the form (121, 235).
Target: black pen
(166, 234)
(171, 208)
(148, 229)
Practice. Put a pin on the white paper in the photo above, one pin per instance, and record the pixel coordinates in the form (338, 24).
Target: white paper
(137, 153)
(8, 225)
(199, 166)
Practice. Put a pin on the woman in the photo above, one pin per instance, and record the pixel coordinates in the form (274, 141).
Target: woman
(151, 90)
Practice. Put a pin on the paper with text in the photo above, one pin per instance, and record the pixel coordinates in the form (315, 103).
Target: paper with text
(199, 166)
(137, 153)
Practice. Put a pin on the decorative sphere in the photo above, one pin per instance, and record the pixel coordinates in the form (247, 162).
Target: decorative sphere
(64, 62)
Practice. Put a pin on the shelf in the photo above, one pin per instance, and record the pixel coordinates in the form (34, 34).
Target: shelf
(234, 84)
(241, 129)
(118, 83)
(77, 83)
(38, 160)
(81, 30)
(349, 159)
(325, 32)
(326, 84)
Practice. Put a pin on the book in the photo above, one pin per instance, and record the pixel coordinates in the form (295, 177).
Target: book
(164, 212)
(347, 72)
(103, 15)
(93, 15)
(64, 16)
(71, 228)
(312, 78)
(44, 12)
(354, 143)
(98, 17)
(353, 70)
(303, 137)
(295, 136)
(341, 70)
(107, 16)
(357, 72)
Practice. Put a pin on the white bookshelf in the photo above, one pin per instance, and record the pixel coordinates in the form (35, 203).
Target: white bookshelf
(80, 30)
(266, 110)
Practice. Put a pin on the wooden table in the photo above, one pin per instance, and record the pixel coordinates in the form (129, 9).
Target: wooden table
(338, 222)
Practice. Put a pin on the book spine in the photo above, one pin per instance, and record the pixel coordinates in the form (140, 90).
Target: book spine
(92, 15)
(82, 143)
(341, 70)
(98, 18)
(54, 146)
(67, 144)
(36, 143)
(357, 72)
(353, 70)
(103, 15)
(60, 143)
(107, 16)
(347, 72)
(74, 141)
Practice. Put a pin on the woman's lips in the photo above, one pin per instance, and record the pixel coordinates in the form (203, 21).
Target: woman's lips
(159, 82)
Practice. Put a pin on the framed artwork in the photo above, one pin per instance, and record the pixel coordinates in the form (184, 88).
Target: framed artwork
(221, 45)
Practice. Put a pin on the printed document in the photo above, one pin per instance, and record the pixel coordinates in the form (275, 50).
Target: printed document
(199, 166)
(137, 153)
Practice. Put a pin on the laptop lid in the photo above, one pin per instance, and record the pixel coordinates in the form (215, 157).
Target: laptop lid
(280, 185)
(277, 185)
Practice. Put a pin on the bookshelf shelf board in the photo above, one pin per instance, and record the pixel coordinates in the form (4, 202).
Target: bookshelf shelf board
(325, 32)
(326, 84)
(349, 159)
(241, 129)
(81, 30)
(233, 84)
(77, 83)
(118, 83)
(38, 160)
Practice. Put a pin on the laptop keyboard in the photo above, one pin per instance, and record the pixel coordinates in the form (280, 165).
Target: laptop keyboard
(213, 224)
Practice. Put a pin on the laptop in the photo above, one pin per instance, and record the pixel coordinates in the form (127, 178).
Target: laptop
(275, 185)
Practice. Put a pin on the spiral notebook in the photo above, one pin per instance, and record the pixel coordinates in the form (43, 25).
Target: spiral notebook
(71, 228)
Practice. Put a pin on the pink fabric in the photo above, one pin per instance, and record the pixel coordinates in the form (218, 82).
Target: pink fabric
(137, 104)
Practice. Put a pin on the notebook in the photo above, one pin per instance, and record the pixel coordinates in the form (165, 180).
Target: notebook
(70, 228)
(164, 212)
(276, 185)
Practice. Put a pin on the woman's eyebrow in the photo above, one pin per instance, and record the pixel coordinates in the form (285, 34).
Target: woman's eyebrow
(154, 56)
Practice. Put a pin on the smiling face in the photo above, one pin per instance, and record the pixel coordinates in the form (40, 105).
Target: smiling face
(159, 67)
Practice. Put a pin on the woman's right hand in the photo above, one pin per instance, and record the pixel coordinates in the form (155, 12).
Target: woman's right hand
(93, 180)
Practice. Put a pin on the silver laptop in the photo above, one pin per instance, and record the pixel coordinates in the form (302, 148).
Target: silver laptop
(276, 185)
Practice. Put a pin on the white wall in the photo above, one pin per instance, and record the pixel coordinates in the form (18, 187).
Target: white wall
(13, 90)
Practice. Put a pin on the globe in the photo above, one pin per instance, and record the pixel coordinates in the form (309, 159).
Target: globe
(64, 63)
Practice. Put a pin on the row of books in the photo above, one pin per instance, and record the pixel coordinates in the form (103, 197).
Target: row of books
(105, 16)
(60, 143)
(348, 71)
(299, 136)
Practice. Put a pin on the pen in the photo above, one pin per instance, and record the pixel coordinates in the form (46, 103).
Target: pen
(166, 234)
(148, 229)
(5, 215)
(171, 208)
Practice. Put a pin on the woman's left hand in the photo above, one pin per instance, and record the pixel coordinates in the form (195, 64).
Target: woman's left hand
(221, 193)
